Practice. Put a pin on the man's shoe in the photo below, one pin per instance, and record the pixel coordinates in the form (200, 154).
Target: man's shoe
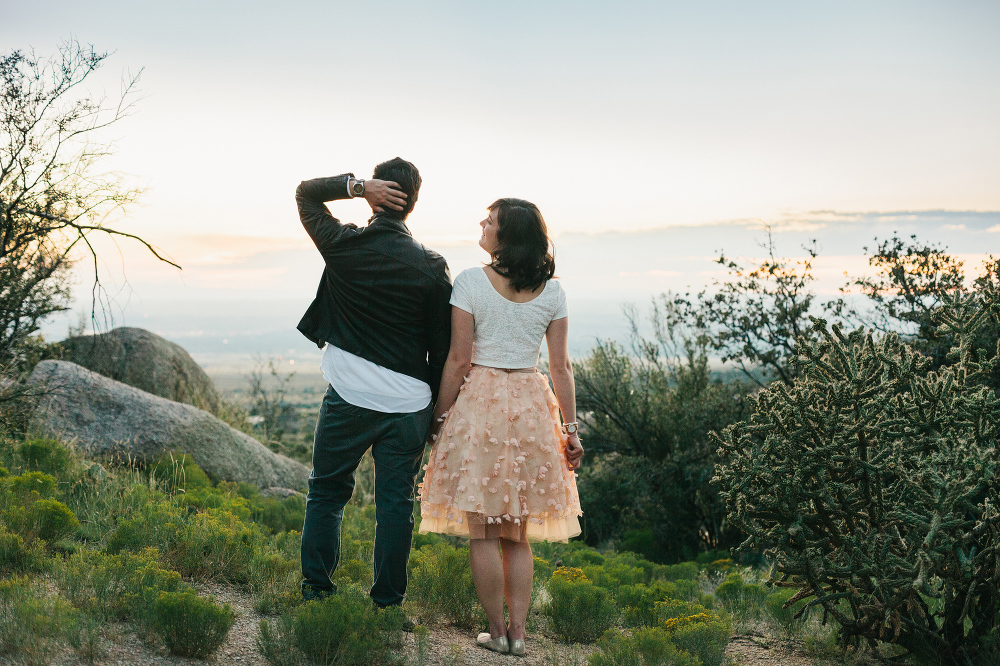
(310, 593)
(498, 644)
(407, 624)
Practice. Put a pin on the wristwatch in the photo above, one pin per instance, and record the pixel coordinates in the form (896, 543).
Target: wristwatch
(571, 427)
(358, 188)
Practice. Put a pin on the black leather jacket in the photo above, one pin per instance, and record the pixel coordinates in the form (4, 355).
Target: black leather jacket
(383, 296)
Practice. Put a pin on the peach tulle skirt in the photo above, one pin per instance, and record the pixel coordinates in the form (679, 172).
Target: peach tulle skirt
(498, 467)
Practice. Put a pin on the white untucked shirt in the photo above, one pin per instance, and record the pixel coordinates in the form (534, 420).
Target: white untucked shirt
(366, 384)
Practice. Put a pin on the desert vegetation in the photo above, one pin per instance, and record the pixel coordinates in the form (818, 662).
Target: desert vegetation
(851, 514)
(834, 488)
(86, 547)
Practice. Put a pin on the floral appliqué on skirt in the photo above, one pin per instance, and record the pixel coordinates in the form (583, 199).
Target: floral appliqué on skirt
(498, 467)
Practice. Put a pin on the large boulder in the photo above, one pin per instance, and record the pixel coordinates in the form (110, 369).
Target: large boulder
(105, 416)
(146, 361)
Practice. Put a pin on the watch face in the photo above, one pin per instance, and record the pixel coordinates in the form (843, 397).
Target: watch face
(359, 188)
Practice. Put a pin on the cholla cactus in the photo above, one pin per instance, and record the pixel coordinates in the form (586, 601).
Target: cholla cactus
(873, 485)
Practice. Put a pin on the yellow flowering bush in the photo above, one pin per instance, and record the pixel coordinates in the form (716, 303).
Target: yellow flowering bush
(569, 574)
(579, 610)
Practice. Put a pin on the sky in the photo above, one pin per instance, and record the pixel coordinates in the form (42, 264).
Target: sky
(621, 120)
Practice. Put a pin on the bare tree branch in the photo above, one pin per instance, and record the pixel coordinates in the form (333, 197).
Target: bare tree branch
(54, 191)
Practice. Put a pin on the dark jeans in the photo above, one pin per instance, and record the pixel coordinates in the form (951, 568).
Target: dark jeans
(343, 433)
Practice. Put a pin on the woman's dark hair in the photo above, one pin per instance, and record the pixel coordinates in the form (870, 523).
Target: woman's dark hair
(524, 252)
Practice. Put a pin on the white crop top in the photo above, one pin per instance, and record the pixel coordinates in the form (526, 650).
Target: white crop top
(507, 334)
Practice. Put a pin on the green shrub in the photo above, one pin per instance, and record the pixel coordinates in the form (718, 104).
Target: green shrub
(542, 569)
(289, 544)
(358, 524)
(440, 586)
(32, 624)
(426, 539)
(672, 609)
(176, 471)
(221, 498)
(635, 561)
(637, 603)
(121, 587)
(347, 629)
(155, 524)
(276, 641)
(710, 556)
(216, 545)
(53, 520)
(46, 455)
(650, 646)
(274, 583)
(18, 557)
(29, 482)
(356, 572)
(580, 611)
(191, 626)
(682, 571)
(83, 633)
(582, 556)
(28, 510)
(704, 635)
(612, 575)
(745, 602)
(280, 515)
(784, 618)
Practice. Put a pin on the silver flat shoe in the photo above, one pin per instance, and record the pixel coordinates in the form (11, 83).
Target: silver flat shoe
(517, 647)
(498, 644)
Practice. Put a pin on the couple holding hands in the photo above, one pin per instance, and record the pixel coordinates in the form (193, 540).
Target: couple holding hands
(412, 359)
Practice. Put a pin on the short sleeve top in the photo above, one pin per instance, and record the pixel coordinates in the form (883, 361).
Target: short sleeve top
(507, 334)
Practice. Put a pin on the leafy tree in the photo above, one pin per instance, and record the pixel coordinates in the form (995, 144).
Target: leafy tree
(53, 195)
(906, 294)
(754, 317)
(647, 415)
(872, 483)
(910, 282)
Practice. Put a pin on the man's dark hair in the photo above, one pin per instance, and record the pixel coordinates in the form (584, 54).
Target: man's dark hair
(400, 171)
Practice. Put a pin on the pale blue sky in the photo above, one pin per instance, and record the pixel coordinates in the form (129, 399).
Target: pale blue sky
(611, 116)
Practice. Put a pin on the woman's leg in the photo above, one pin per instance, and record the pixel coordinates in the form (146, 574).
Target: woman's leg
(518, 570)
(488, 575)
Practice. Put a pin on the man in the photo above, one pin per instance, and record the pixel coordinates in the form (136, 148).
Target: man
(382, 313)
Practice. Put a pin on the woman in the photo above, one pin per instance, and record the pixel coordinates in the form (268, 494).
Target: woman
(501, 469)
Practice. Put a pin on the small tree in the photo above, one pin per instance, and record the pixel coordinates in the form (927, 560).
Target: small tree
(755, 316)
(268, 408)
(908, 286)
(905, 295)
(53, 196)
(872, 482)
(649, 410)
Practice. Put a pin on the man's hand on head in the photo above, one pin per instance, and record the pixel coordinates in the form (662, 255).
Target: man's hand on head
(382, 194)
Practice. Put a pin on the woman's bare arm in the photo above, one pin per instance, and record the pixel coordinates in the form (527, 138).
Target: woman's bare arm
(561, 370)
(455, 368)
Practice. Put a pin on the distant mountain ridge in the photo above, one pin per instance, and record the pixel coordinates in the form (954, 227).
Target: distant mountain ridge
(599, 271)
